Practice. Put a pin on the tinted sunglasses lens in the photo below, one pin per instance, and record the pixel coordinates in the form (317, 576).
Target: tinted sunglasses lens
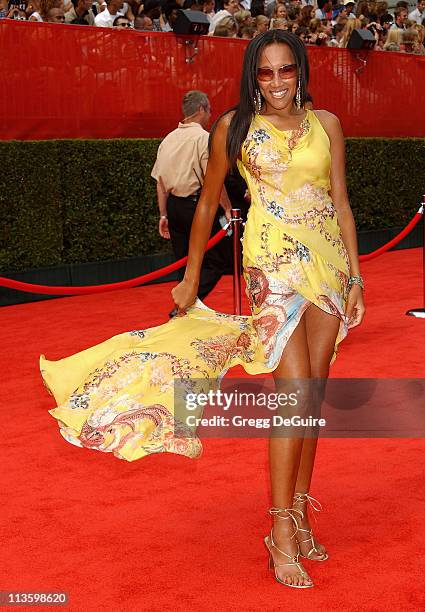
(287, 72)
(264, 74)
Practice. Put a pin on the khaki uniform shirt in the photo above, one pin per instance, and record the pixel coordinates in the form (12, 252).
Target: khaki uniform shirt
(182, 160)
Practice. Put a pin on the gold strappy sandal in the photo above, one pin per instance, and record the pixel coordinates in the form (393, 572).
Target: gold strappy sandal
(316, 506)
(268, 541)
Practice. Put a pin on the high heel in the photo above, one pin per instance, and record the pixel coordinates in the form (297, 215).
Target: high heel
(302, 498)
(268, 541)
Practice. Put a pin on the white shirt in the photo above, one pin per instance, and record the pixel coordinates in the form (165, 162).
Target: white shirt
(218, 17)
(417, 16)
(105, 19)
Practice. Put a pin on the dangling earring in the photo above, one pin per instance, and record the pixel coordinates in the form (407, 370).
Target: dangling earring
(298, 95)
(258, 103)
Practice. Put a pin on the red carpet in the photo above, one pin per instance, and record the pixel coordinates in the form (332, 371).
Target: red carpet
(170, 533)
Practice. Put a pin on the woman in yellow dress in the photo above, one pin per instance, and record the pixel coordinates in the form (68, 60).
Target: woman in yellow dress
(303, 281)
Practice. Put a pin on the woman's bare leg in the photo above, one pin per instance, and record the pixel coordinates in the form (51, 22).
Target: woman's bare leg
(321, 331)
(285, 454)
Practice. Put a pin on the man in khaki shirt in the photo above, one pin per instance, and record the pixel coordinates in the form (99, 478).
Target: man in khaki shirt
(179, 171)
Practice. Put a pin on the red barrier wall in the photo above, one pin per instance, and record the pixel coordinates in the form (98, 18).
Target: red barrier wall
(81, 82)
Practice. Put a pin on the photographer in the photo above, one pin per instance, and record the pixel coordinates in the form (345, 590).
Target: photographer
(378, 32)
(17, 10)
(3, 9)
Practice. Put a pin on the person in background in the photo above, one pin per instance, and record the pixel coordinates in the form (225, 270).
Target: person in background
(106, 18)
(279, 11)
(230, 8)
(352, 24)
(381, 9)
(324, 9)
(306, 15)
(82, 11)
(410, 42)
(362, 9)
(400, 16)
(419, 13)
(208, 8)
(294, 15)
(168, 16)
(152, 8)
(143, 23)
(402, 4)
(278, 24)
(337, 34)
(44, 7)
(179, 171)
(257, 8)
(226, 27)
(55, 15)
(121, 23)
(16, 10)
(261, 24)
(393, 40)
(340, 16)
(222, 29)
(349, 5)
(3, 9)
(243, 19)
(386, 21)
(247, 33)
(302, 33)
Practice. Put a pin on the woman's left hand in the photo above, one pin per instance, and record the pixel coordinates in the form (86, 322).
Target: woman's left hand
(355, 308)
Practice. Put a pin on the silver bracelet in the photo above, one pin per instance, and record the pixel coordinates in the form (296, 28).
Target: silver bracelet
(355, 280)
(163, 217)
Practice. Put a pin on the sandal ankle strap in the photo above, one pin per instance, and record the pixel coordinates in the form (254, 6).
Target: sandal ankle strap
(306, 498)
(291, 514)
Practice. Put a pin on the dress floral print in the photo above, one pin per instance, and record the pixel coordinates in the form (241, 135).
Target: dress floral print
(120, 396)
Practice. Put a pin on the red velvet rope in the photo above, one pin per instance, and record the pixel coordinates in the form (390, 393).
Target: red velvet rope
(132, 282)
(396, 239)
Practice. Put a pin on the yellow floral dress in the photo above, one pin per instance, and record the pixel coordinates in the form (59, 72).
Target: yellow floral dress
(119, 396)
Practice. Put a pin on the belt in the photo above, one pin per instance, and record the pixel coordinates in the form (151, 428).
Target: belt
(193, 196)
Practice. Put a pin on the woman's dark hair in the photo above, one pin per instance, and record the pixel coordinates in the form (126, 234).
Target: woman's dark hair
(249, 89)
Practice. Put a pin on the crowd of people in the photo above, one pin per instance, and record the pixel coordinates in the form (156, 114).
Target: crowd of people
(316, 22)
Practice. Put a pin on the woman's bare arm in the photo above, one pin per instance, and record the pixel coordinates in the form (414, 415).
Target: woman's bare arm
(218, 166)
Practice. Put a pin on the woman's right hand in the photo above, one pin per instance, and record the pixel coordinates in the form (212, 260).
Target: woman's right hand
(184, 294)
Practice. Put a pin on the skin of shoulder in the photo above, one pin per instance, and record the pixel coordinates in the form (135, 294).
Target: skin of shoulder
(224, 123)
(330, 123)
(218, 145)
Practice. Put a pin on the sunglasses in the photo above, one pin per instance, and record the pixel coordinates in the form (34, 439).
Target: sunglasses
(284, 72)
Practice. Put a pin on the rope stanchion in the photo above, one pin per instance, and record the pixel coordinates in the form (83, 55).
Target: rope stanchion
(420, 312)
(128, 284)
(396, 239)
(236, 227)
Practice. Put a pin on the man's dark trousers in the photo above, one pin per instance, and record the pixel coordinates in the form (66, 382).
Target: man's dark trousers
(180, 212)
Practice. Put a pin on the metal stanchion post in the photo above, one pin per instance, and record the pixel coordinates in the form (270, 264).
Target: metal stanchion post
(236, 227)
(420, 312)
